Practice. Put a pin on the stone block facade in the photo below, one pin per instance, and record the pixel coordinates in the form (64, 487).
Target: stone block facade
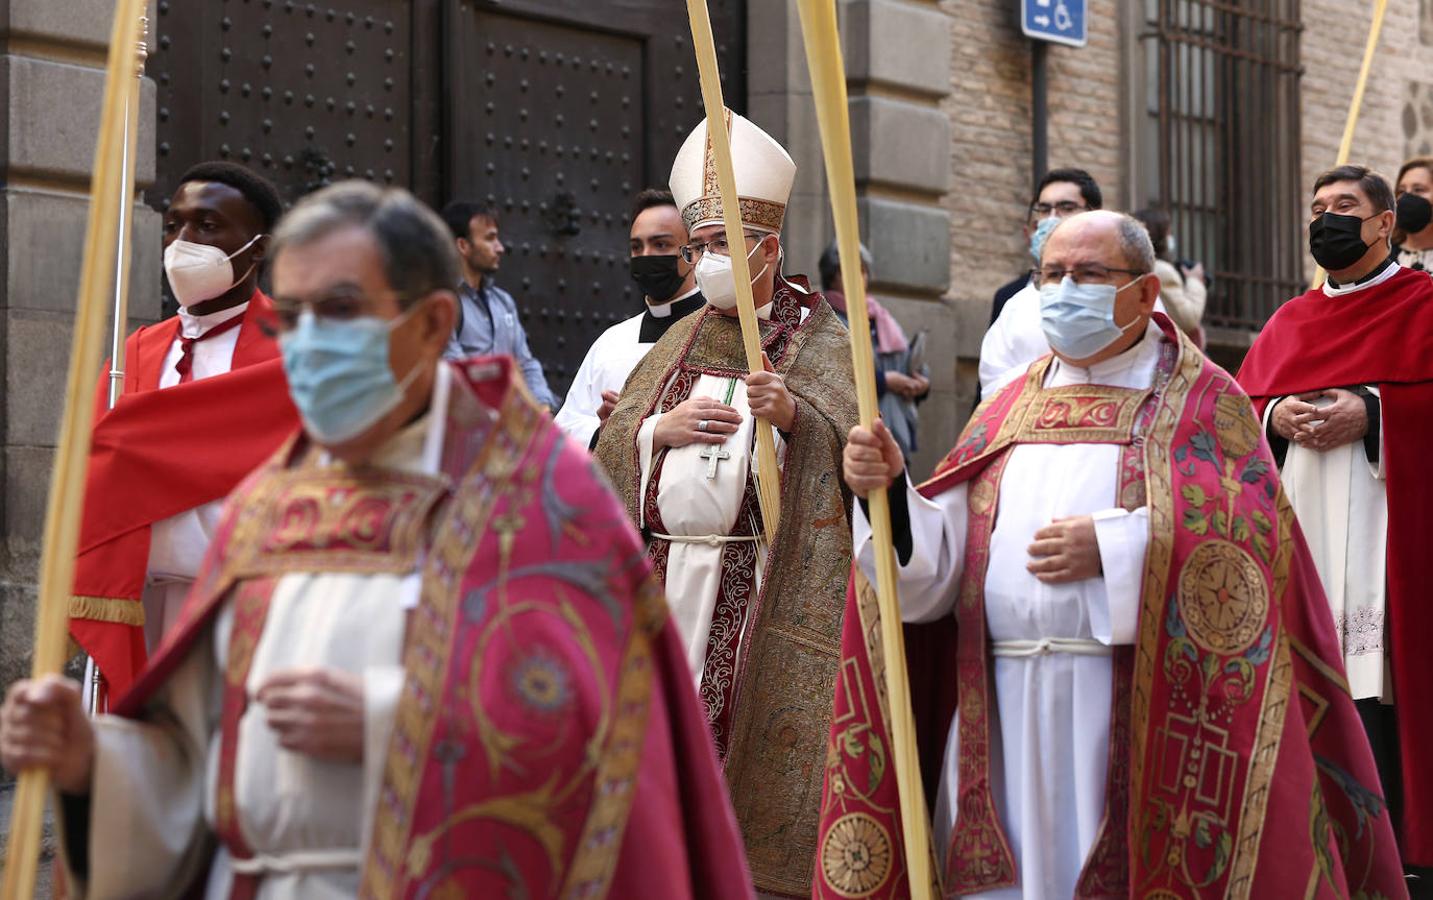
(51, 85)
(1090, 102)
(51, 88)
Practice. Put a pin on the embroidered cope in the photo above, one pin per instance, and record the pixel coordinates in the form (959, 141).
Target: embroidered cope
(529, 726)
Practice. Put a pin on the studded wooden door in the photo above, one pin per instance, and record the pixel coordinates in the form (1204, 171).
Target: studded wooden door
(302, 92)
(560, 112)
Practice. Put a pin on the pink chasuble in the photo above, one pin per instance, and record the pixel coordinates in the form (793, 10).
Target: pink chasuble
(548, 742)
(1237, 764)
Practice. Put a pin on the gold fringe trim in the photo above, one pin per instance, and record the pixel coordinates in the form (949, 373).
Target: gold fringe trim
(108, 609)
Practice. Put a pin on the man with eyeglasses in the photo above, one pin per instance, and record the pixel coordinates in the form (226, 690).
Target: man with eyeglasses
(1127, 656)
(760, 620)
(1013, 341)
(1343, 375)
(1059, 195)
(426, 624)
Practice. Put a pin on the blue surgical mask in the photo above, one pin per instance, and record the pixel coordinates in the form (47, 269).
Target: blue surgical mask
(1039, 236)
(1079, 319)
(339, 376)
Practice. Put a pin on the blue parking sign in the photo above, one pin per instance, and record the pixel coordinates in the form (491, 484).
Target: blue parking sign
(1059, 21)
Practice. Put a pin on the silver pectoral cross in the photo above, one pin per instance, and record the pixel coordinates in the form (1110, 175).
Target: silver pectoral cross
(713, 454)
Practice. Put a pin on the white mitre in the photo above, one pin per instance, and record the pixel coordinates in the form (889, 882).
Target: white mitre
(764, 176)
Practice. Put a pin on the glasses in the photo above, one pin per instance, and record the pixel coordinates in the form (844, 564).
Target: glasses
(721, 247)
(1088, 273)
(341, 304)
(1062, 209)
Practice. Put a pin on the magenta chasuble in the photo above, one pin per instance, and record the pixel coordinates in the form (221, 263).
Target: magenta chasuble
(548, 742)
(1237, 763)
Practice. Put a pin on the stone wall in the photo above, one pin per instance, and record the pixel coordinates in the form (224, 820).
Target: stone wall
(1091, 108)
(1397, 117)
(51, 84)
(898, 60)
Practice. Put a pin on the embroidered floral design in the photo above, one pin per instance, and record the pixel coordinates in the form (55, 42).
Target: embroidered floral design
(1236, 424)
(1360, 631)
(856, 856)
(542, 682)
(1223, 597)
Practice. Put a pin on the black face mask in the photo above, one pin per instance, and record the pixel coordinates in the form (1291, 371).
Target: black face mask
(657, 276)
(1414, 213)
(1336, 241)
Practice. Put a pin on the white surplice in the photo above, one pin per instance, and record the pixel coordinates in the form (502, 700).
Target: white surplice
(306, 820)
(1050, 732)
(694, 506)
(703, 511)
(177, 544)
(1341, 502)
(608, 362)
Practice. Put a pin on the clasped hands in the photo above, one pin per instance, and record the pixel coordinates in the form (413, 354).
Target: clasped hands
(908, 386)
(1322, 428)
(1062, 552)
(703, 420)
(317, 712)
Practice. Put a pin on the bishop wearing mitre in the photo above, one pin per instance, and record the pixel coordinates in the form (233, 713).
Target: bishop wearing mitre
(760, 621)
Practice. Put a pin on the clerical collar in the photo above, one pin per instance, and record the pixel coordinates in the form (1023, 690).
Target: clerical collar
(664, 310)
(192, 326)
(653, 326)
(1386, 270)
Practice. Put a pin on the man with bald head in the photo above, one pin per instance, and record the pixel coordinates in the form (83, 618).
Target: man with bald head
(1113, 585)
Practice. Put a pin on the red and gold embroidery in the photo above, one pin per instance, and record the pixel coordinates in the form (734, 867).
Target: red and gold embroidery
(979, 857)
(251, 610)
(340, 520)
(1085, 413)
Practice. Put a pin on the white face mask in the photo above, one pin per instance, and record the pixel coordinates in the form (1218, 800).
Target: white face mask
(199, 272)
(1079, 319)
(716, 281)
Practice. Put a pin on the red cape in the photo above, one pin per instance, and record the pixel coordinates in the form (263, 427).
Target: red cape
(1382, 336)
(157, 454)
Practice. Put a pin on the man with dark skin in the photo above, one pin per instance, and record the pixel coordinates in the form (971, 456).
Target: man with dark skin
(219, 215)
(135, 572)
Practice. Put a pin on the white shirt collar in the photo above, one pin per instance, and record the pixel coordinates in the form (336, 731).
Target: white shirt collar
(192, 326)
(1117, 370)
(1332, 290)
(664, 310)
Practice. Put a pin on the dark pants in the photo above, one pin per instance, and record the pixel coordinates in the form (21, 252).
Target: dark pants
(1380, 721)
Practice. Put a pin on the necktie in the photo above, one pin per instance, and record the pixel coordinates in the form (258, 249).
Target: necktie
(185, 365)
